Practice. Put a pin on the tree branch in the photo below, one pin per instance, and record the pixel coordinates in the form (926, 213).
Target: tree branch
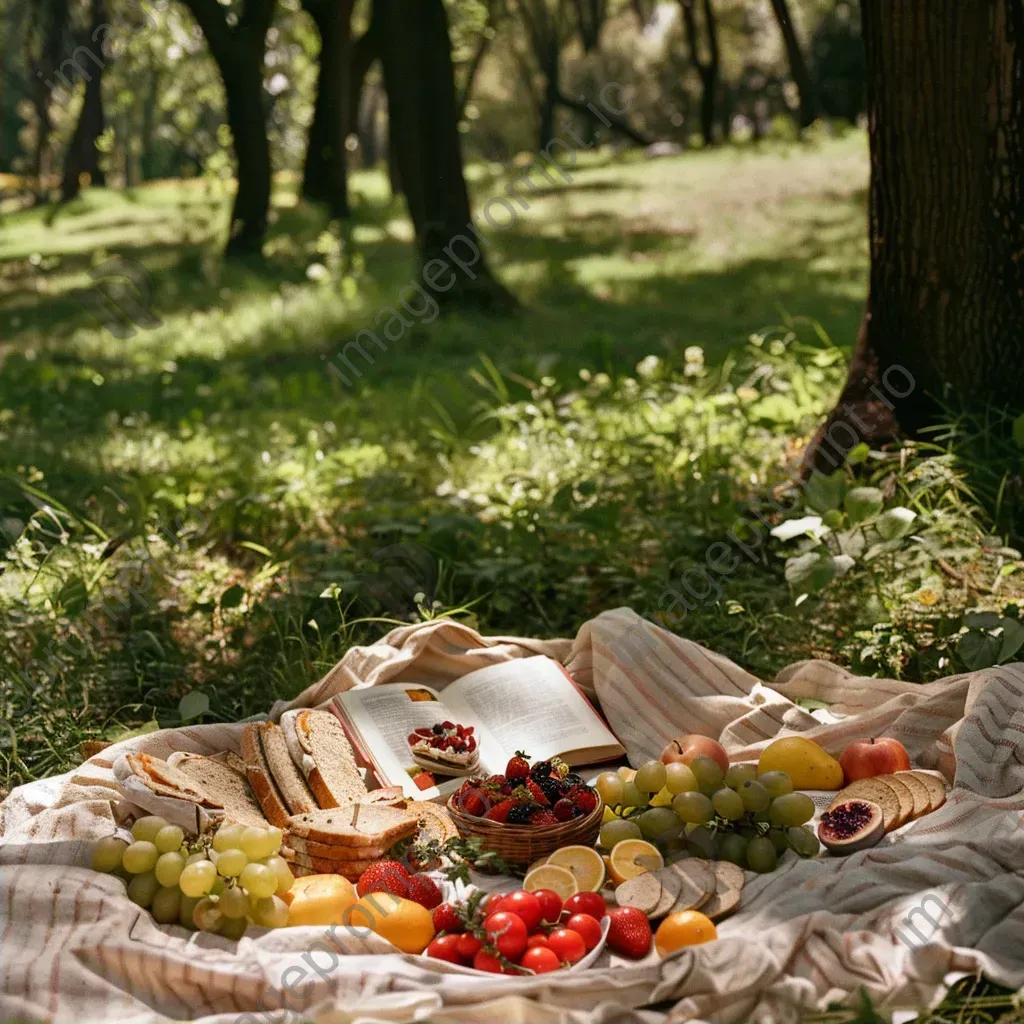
(621, 126)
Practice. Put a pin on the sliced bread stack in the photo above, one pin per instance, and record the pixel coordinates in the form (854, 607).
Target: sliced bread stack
(345, 840)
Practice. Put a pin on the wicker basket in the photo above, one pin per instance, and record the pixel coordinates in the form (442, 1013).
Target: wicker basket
(523, 844)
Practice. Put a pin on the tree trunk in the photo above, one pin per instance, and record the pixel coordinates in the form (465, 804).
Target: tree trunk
(945, 315)
(82, 156)
(325, 178)
(149, 119)
(546, 120)
(797, 65)
(424, 138)
(707, 69)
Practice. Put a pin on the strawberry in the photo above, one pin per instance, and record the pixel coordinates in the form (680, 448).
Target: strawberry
(385, 876)
(446, 919)
(518, 767)
(424, 891)
(499, 812)
(563, 810)
(537, 793)
(583, 798)
(473, 802)
(630, 932)
(543, 816)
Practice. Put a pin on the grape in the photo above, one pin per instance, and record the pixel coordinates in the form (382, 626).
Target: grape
(275, 837)
(708, 774)
(679, 778)
(142, 888)
(610, 787)
(651, 777)
(761, 855)
(701, 843)
(764, 815)
(632, 797)
(657, 821)
(145, 829)
(188, 906)
(220, 883)
(754, 796)
(271, 912)
(166, 905)
(259, 843)
(693, 808)
(733, 848)
(777, 783)
(140, 857)
(233, 902)
(625, 773)
(804, 841)
(207, 916)
(779, 840)
(197, 878)
(258, 880)
(231, 863)
(285, 878)
(193, 857)
(740, 773)
(728, 805)
(169, 868)
(617, 831)
(792, 809)
(169, 839)
(228, 837)
(233, 928)
(107, 854)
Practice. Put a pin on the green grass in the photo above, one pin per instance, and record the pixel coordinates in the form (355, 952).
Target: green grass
(685, 327)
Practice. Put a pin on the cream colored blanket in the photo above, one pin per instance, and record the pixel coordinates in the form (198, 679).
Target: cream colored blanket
(942, 896)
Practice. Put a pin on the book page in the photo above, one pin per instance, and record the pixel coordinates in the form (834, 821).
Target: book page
(532, 705)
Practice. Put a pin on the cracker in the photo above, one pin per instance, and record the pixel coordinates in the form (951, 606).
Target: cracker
(877, 792)
(935, 785)
(726, 898)
(918, 790)
(699, 883)
(643, 892)
(903, 795)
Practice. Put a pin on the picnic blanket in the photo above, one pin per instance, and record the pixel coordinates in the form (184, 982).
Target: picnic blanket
(943, 896)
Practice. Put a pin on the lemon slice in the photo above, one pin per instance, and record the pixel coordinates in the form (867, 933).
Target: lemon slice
(537, 863)
(634, 857)
(550, 876)
(585, 863)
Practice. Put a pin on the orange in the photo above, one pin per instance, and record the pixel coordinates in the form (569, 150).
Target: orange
(633, 857)
(685, 928)
(403, 923)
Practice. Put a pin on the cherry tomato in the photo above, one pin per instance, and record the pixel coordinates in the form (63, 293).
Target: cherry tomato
(567, 945)
(507, 933)
(591, 903)
(526, 905)
(540, 960)
(587, 927)
(537, 941)
(550, 905)
(445, 948)
(484, 961)
(493, 903)
(469, 946)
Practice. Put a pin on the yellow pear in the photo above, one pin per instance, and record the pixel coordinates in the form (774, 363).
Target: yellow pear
(804, 761)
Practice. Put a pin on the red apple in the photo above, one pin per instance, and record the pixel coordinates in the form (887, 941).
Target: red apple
(686, 748)
(863, 759)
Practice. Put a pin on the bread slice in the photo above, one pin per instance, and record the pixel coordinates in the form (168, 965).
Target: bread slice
(350, 869)
(289, 781)
(321, 750)
(936, 788)
(918, 790)
(311, 848)
(166, 780)
(358, 825)
(390, 795)
(225, 783)
(261, 778)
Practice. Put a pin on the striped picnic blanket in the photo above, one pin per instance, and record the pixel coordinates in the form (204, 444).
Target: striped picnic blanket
(942, 897)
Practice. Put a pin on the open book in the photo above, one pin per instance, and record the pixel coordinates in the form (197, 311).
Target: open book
(531, 705)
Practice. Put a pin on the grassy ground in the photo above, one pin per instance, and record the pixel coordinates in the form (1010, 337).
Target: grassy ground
(200, 518)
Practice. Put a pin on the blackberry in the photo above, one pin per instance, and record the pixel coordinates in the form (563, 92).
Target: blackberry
(542, 769)
(553, 789)
(572, 779)
(438, 730)
(519, 815)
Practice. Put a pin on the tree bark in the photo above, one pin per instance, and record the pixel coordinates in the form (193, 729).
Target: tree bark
(707, 69)
(424, 137)
(82, 156)
(325, 177)
(944, 324)
(808, 111)
(239, 50)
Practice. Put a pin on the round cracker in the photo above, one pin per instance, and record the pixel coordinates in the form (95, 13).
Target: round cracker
(935, 785)
(903, 794)
(726, 898)
(699, 883)
(918, 790)
(877, 792)
(645, 892)
(671, 887)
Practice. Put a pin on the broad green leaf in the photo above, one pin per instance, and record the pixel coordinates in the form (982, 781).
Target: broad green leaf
(1018, 430)
(863, 503)
(809, 572)
(194, 704)
(1013, 639)
(833, 518)
(895, 523)
(978, 649)
(809, 526)
(824, 492)
(858, 454)
(232, 597)
(73, 597)
(981, 620)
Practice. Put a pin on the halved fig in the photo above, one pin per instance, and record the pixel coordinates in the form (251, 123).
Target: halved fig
(851, 826)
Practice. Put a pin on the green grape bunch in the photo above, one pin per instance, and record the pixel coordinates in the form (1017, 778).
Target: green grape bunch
(748, 819)
(220, 881)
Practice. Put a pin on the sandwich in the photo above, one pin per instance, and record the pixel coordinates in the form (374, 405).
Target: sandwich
(279, 786)
(224, 776)
(164, 780)
(321, 751)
